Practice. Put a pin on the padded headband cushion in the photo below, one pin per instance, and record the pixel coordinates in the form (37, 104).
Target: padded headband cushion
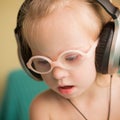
(103, 48)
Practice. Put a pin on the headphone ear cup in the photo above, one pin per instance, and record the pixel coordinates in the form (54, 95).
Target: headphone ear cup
(24, 53)
(103, 48)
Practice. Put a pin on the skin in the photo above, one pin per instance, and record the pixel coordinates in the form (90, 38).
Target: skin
(89, 93)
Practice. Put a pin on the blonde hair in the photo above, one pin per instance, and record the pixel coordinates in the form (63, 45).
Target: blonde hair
(38, 9)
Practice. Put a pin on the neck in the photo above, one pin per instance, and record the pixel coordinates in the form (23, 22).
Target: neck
(102, 80)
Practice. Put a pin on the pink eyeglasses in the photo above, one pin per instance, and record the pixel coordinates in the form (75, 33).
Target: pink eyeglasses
(69, 59)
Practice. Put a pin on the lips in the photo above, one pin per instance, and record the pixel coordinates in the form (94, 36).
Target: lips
(65, 89)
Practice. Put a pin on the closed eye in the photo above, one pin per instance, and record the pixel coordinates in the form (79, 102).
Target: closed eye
(73, 57)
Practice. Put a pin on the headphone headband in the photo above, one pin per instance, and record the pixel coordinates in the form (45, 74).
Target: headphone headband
(110, 8)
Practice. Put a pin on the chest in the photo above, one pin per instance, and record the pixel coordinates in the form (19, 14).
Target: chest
(74, 115)
(99, 112)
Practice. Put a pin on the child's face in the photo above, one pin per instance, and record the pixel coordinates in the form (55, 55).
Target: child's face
(65, 30)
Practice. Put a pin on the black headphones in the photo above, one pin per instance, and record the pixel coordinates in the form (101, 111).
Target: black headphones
(107, 50)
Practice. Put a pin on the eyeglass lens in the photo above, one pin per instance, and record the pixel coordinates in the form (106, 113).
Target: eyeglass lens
(68, 60)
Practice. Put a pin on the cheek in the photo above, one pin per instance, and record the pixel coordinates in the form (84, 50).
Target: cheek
(48, 80)
(86, 72)
(90, 68)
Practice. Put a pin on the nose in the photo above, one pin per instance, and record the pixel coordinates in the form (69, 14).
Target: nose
(59, 73)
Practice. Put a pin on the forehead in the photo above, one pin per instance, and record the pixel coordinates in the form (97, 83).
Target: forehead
(65, 27)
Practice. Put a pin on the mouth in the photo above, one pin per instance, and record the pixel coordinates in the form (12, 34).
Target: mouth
(65, 89)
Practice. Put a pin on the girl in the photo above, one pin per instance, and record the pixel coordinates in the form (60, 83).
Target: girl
(62, 36)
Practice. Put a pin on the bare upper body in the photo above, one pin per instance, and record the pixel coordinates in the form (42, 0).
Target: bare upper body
(51, 106)
(63, 43)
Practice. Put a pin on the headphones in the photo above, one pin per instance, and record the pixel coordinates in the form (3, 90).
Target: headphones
(107, 59)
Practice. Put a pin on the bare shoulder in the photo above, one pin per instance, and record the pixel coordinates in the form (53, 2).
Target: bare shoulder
(42, 105)
(38, 108)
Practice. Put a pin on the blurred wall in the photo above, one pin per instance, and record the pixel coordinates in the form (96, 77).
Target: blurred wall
(8, 48)
(117, 2)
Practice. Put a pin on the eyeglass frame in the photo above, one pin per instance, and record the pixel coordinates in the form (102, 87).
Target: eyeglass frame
(56, 62)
